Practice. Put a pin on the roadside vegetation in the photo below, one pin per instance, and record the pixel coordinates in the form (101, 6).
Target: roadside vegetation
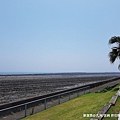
(74, 109)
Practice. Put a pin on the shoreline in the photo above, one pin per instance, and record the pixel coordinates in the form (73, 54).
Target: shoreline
(61, 73)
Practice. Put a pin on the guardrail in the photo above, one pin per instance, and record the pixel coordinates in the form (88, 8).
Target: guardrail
(20, 111)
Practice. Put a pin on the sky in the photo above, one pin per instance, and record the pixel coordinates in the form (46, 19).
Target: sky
(50, 36)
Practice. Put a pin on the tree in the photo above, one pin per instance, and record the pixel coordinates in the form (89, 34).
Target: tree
(115, 52)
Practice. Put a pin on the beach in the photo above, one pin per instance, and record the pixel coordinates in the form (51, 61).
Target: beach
(19, 87)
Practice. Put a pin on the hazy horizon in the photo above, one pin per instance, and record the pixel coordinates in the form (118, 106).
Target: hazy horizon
(17, 73)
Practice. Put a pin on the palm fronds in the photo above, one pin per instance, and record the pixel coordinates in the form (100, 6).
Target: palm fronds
(113, 55)
(115, 52)
(114, 40)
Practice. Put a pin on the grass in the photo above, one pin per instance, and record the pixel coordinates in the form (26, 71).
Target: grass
(74, 109)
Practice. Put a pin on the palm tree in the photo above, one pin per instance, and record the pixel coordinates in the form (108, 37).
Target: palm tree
(115, 52)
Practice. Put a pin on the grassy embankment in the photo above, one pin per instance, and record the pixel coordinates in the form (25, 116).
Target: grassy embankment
(74, 109)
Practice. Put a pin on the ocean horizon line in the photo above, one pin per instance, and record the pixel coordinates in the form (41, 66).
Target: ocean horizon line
(49, 73)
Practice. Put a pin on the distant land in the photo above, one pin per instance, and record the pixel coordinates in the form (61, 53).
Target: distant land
(59, 73)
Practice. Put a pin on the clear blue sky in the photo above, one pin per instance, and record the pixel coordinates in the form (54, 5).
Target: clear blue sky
(57, 35)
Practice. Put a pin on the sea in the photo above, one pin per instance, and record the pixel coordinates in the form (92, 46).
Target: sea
(60, 73)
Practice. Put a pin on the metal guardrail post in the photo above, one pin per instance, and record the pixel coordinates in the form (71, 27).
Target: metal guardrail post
(84, 91)
(59, 99)
(89, 89)
(69, 95)
(45, 104)
(25, 110)
(77, 93)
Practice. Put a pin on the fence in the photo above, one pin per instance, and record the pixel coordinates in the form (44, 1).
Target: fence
(29, 108)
